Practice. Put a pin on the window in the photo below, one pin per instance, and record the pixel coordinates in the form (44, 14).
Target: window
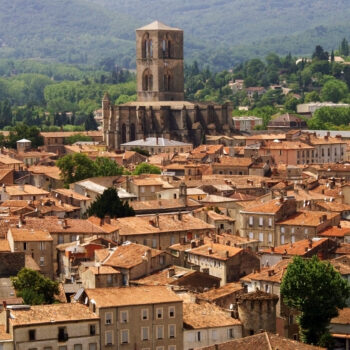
(153, 189)
(109, 338)
(109, 279)
(282, 229)
(144, 333)
(214, 335)
(230, 333)
(62, 334)
(261, 237)
(154, 243)
(293, 239)
(172, 240)
(282, 239)
(198, 336)
(45, 348)
(306, 231)
(142, 189)
(171, 331)
(293, 229)
(24, 245)
(92, 346)
(251, 235)
(270, 222)
(62, 347)
(108, 318)
(42, 245)
(160, 348)
(124, 317)
(78, 347)
(92, 328)
(73, 238)
(261, 221)
(159, 312)
(144, 313)
(60, 239)
(31, 334)
(172, 347)
(250, 221)
(160, 332)
(125, 336)
(161, 260)
(171, 311)
(42, 261)
(270, 238)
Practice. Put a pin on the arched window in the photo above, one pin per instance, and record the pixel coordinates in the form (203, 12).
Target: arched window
(123, 133)
(132, 132)
(147, 46)
(167, 81)
(147, 80)
(166, 46)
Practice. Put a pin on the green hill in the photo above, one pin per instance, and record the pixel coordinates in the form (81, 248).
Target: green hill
(218, 32)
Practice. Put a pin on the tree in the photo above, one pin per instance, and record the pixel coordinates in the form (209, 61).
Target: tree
(320, 54)
(316, 290)
(312, 96)
(146, 168)
(334, 90)
(90, 123)
(23, 131)
(76, 167)
(107, 167)
(76, 138)
(110, 204)
(34, 288)
(344, 48)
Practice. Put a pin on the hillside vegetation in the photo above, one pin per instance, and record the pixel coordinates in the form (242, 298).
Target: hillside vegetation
(220, 33)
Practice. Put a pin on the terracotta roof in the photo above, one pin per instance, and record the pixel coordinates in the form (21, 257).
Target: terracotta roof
(116, 297)
(4, 245)
(343, 249)
(51, 171)
(297, 248)
(147, 182)
(218, 251)
(70, 133)
(212, 198)
(3, 334)
(271, 207)
(307, 218)
(30, 263)
(334, 206)
(39, 314)
(223, 291)
(70, 193)
(335, 231)
(262, 341)
(206, 315)
(167, 223)
(8, 160)
(343, 317)
(25, 235)
(342, 264)
(233, 162)
(17, 190)
(219, 217)
(208, 149)
(273, 274)
(127, 255)
(103, 270)
(292, 145)
(162, 204)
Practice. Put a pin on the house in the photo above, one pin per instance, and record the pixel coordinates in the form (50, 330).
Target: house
(132, 260)
(246, 123)
(232, 166)
(322, 247)
(51, 326)
(36, 243)
(101, 277)
(73, 198)
(259, 221)
(149, 315)
(286, 122)
(19, 192)
(7, 162)
(45, 177)
(226, 262)
(340, 329)
(222, 223)
(206, 324)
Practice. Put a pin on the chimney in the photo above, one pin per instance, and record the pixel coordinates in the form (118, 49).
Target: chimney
(193, 244)
(64, 223)
(306, 249)
(107, 219)
(171, 272)
(271, 273)
(310, 243)
(210, 251)
(272, 249)
(227, 254)
(157, 220)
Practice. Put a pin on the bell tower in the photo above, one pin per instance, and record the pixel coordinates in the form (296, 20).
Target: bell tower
(159, 63)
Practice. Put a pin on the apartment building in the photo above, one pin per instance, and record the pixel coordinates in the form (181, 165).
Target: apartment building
(147, 317)
(51, 327)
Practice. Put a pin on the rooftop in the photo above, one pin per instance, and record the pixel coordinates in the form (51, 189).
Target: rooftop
(216, 251)
(24, 235)
(343, 317)
(116, 297)
(308, 218)
(156, 25)
(155, 142)
(223, 291)
(206, 315)
(39, 314)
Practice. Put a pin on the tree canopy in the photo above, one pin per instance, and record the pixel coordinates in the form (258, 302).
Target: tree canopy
(334, 90)
(109, 204)
(78, 166)
(146, 168)
(34, 288)
(316, 290)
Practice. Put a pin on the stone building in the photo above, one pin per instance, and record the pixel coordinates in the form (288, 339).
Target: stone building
(160, 109)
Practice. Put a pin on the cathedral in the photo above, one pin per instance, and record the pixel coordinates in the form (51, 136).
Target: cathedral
(160, 109)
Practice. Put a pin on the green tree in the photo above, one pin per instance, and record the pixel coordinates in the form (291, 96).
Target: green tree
(90, 122)
(34, 288)
(334, 90)
(146, 168)
(344, 48)
(107, 167)
(316, 290)
(110, 204)
(76, 138)
(76, 167)
(312, 96)
(23, 131)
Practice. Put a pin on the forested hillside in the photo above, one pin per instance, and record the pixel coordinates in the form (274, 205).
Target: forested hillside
(220, 33)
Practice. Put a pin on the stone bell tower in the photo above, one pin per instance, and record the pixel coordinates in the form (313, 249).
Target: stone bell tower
(159, 61)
